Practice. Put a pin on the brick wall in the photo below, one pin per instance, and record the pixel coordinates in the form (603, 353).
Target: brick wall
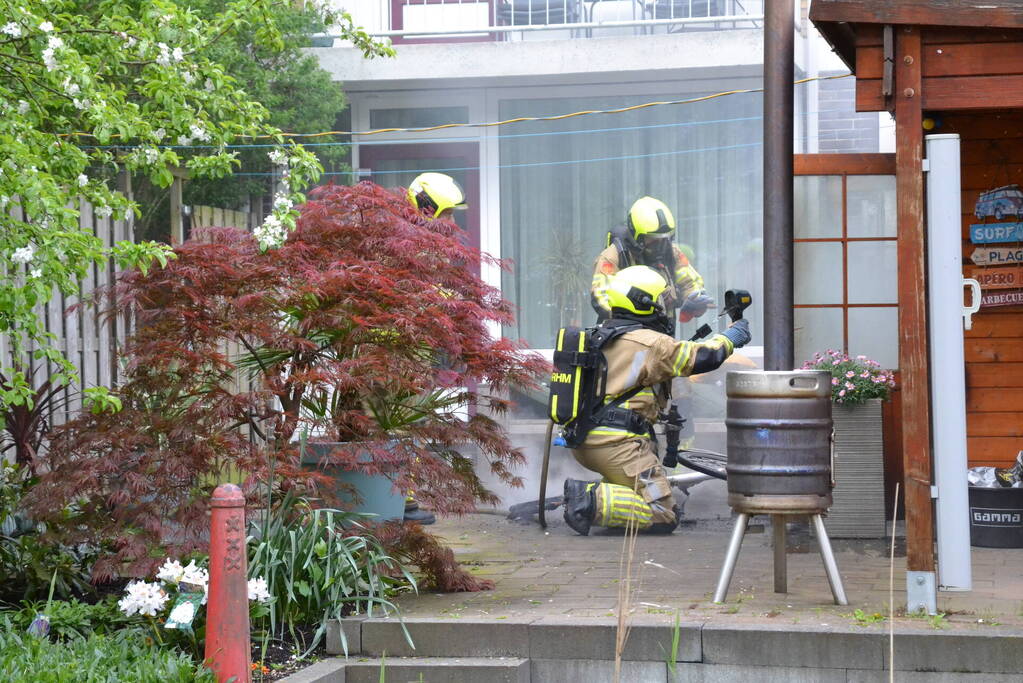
(841, 129)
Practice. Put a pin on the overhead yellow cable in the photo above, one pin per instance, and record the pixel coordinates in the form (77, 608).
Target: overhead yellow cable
(521, 119)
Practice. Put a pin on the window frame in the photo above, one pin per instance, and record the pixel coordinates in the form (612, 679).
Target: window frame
(845, 165)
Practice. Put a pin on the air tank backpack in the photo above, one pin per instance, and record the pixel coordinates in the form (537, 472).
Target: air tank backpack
(577, 385)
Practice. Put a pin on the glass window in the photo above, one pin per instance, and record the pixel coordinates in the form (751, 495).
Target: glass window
(874, 333)
(817, 206)
(818, 273)
(842, 273)
(419, 117)
(873, 272)
(871, 205)
(817, 330)
(564, 184)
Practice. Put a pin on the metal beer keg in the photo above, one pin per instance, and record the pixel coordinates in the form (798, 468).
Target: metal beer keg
(779, 441)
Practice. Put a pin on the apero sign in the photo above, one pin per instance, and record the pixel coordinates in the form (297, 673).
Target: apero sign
(987, 233)
(1003, 277)
(988, 256)
(1013, 298)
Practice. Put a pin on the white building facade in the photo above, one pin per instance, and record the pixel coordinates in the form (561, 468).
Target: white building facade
(543, 193)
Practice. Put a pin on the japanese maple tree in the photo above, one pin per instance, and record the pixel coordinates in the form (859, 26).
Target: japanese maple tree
(367, 326)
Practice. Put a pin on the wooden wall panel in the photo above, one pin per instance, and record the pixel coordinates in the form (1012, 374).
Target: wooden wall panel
(992, 154)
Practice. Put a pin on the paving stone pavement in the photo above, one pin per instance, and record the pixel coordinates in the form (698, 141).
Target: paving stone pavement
(558, 573)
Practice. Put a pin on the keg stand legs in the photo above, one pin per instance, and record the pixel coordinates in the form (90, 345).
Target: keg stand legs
(731, 556)
(780, 559)
(830, 566)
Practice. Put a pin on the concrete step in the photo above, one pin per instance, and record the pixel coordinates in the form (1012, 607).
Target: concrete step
(415, 670)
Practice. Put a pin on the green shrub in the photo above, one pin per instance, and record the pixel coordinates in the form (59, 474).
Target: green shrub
(73, 619)
(122, 656)
(28, 563)
(320, 565)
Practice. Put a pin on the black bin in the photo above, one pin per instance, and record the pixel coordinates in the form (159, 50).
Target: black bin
(996, 517)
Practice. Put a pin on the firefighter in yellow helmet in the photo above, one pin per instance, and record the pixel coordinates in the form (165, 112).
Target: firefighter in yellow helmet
(619, 446)
(646, 239)
(436, 195)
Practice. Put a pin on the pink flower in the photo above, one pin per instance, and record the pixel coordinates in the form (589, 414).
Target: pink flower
(842, 392)
(850, 374)
(865, 374)
(850, 386)
(882, 378)
(835, 362)
(834, 381)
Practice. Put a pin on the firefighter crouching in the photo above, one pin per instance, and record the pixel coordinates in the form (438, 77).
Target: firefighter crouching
(614, 437)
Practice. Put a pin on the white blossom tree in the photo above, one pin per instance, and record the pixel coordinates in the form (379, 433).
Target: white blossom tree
(90, 88)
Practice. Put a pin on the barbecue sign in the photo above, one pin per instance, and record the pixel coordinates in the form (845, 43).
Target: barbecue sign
(988, 233)
(997, 278)
(1013, 298)
(993, 256)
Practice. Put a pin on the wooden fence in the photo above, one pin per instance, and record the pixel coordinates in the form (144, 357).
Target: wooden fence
(91, 344)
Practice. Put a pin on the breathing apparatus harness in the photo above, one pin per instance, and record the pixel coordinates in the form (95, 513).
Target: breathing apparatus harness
(579, 381)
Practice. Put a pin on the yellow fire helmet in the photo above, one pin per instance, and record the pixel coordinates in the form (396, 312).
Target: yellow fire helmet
(636, 289)
(649, 217)
(435, 193)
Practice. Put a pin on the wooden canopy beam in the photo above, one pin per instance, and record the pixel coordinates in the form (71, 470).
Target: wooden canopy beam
(912, 278)
(975, 13)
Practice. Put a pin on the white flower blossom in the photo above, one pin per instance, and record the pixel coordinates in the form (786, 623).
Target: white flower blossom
(151, 155)
(71, 88)
(164, 59)
(171, 571)
(35, 272)
(130, 41)
(104, 211)
(195, 575)
(23, 254)
(271, 233)
(49, 60)
(46, 27)
(83, 180)
(143, 598)
(55, 42)
(23, 107)
(209, 85)
(199, 133)
(258, 590)
(188, 77)
(11, 29)
(3, 200)
(278, 157)
(159, 134)
(178, 55)
(184, 140)
(282, 203)
(81, 104)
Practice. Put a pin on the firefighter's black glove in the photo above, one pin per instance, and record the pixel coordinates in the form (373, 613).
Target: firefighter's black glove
(738, 333)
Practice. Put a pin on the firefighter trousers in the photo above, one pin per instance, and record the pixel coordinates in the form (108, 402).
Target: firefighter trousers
(635, 489)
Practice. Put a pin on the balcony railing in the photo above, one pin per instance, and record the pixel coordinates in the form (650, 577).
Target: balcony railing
(406, 21)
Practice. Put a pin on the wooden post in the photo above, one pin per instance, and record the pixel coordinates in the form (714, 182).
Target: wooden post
(227, 612)
(913, 368)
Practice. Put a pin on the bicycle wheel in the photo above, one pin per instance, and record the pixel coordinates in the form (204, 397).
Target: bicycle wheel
(705, 462)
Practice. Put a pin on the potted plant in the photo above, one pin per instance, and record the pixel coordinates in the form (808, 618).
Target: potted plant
(366, 327)
(858, 385)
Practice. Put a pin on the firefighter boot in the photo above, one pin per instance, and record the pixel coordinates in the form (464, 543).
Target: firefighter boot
(579, 505)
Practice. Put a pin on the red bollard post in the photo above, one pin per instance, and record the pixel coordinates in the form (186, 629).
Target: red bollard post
(227, 609)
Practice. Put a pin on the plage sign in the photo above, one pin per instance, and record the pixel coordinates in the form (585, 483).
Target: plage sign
(1002, 277)
(990, 256)
(988, 233)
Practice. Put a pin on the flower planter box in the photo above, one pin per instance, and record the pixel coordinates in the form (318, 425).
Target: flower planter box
(377, 492)
(858, 509)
